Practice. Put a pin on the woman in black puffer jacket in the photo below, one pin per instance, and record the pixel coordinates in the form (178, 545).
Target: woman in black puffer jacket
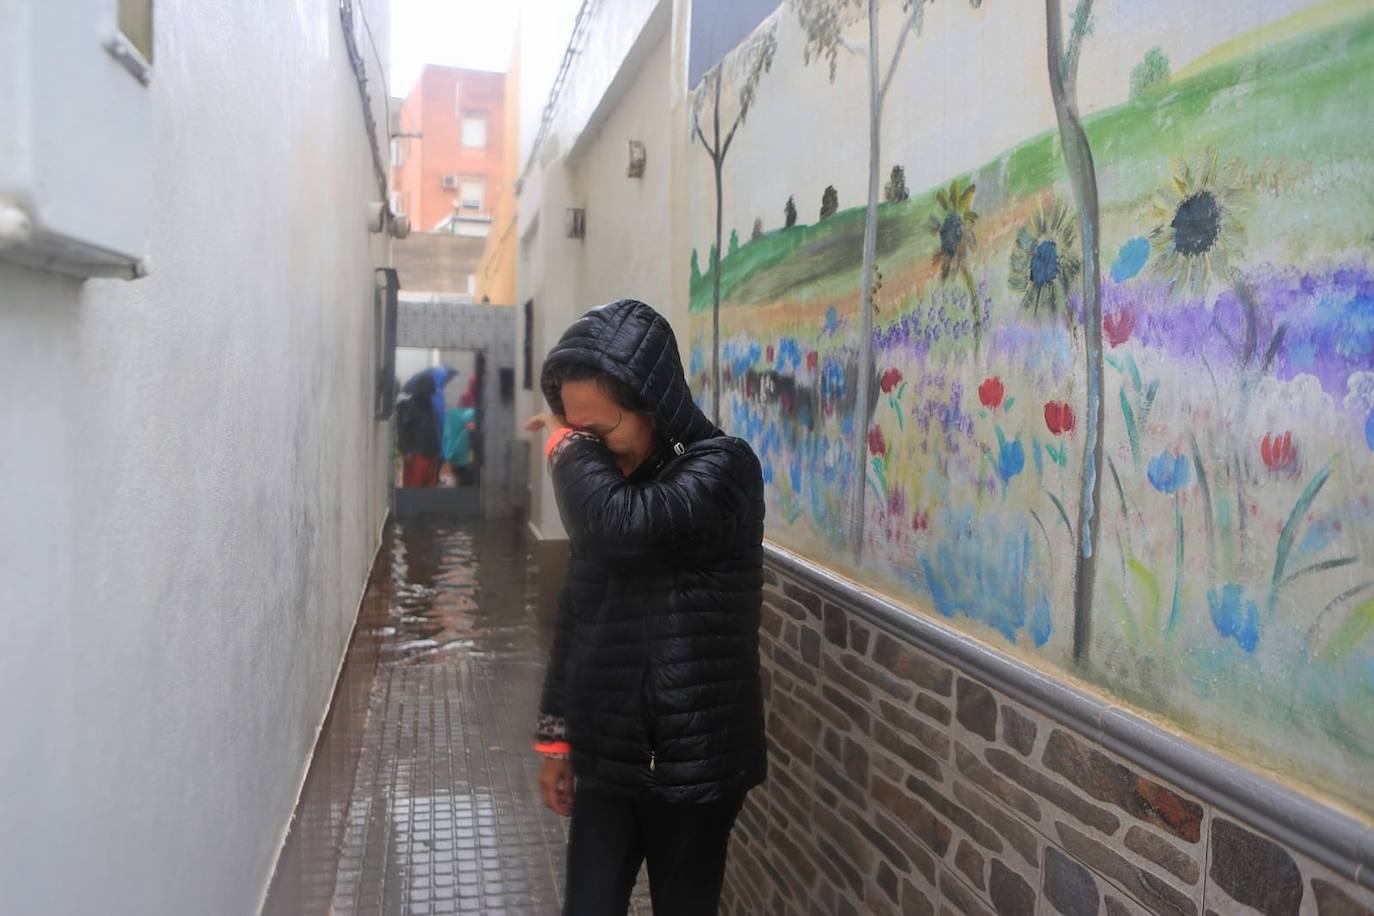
(652, 697)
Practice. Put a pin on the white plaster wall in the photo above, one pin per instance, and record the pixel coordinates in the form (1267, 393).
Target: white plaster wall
(627, 252)
(191, 483)
(619, 89)
(542, 32)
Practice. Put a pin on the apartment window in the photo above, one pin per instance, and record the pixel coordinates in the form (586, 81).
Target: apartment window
(398, 153)
(474, 131)
(472, 194)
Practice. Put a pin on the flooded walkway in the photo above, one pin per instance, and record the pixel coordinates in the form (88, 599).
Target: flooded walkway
(424, 794)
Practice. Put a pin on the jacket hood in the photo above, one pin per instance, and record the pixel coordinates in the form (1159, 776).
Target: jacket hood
(633, 343)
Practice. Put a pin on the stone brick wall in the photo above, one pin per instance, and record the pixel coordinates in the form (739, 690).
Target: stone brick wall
(900, 784)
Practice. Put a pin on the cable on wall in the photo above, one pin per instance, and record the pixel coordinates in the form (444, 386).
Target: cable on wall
(355, 60)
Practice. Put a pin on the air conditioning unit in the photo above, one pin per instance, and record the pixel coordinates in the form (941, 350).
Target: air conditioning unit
(74, 78)
(451, 182)
(575, 223)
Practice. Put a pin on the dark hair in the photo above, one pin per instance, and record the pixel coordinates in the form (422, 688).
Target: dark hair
(556, 375)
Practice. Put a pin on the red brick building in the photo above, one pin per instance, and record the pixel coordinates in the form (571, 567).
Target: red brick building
(448, 153)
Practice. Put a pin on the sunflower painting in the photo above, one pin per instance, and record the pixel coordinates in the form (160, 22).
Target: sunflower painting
(1199, 235)
(953, 226)
(1043, 266)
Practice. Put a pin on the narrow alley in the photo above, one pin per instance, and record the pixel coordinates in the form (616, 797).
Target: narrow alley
(424, 795)
(929, 444)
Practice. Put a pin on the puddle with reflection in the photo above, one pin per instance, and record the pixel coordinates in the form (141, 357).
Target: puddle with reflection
(454, 588)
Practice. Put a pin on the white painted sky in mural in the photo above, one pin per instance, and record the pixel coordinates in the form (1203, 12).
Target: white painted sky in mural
(948, 105)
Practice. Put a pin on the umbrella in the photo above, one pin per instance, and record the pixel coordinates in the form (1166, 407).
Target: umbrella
(438, 376)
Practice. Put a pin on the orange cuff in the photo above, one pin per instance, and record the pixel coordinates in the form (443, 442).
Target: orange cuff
(554, 438)
(553, 747)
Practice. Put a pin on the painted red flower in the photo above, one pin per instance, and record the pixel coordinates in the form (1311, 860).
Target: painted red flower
(877, 442)
(920, 521)
(813, 359)
(889, 380)
(1059, 417)
(991, 393)
(1279, 452)
(771, 352)
(896, 503)
(1118, 326)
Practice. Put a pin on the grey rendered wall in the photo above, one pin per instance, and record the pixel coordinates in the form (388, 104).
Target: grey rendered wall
(191, 483)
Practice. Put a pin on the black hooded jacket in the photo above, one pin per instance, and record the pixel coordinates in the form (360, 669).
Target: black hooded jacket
(655, 663)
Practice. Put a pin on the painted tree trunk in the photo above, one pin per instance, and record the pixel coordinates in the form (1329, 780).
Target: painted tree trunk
(1078, 159)
(716, 159)
(863, 407)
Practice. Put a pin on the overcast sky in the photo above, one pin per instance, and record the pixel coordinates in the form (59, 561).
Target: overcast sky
(459, 33)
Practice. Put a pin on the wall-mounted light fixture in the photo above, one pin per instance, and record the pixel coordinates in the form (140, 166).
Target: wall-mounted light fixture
(575, 223)
(638, 157)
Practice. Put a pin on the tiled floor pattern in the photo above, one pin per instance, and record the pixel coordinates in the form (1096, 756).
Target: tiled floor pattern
(443, 813)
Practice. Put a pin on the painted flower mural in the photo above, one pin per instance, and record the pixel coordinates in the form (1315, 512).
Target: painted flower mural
(1117, 326)
(1011, 457)
(877, 442)
(1059, 418)
(1199, 235)
(1201, 347)
(1043, 265)
(991, 392)
(1169, 474)
(1279, 453)
(953, 227)
(1233, 616)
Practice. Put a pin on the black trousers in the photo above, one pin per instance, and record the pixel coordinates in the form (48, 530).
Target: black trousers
(684, 846)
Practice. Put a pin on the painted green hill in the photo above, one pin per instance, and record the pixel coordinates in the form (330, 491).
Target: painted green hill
(1290, 100)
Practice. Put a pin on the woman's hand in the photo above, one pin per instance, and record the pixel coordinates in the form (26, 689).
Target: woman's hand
(549, 421)
(556, 782)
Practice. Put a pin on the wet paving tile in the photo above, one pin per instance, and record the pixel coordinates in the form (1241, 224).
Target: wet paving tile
(424, 796)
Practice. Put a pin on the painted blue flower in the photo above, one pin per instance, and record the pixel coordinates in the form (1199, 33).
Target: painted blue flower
(1168, 472)
(1369, 430)
(1234, 617)
(832, 320)
(832, 380)
(789, 355)
(794, 472)
(1040, 624)
(1011, 459)
(698, 362)
(1130, 259)
(1044, 265)
(767, 472)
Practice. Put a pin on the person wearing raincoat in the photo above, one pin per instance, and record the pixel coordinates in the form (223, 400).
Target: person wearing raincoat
(459, 424)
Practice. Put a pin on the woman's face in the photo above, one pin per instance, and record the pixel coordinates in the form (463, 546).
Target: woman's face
(628, 434)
